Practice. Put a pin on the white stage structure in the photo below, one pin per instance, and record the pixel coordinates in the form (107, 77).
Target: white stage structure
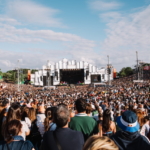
(53, 74)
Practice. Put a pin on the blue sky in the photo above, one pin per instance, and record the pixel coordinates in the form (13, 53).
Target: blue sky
(35, 31)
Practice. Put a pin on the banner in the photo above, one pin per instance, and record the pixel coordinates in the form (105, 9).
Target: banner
(115, 73)
(0, 77)
(146, 68)
(29, 75)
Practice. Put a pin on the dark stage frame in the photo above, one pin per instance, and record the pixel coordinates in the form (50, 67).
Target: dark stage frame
(72, 76)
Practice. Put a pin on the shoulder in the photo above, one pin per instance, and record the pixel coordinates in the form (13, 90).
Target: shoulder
(145, 139)
(117, 134)
(28, 145)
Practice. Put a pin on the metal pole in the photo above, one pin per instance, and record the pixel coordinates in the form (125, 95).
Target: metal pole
(18, 76)
(109, 82)
(137, 64)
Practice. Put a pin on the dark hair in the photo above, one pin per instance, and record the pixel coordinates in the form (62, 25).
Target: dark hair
(14, 112)
(80, 105)
(88, 108)
(5, 102)
(61, 116)
(106, 120)
(24, 112)
(12, 129)
(146, 118)
(49, 113)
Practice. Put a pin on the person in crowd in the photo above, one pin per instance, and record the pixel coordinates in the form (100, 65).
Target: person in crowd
(129, 137)
(81, 122)
(48, 122)
(3, 115)
(146, 126)
(88, 109)
(34, 136)
(13, 137)
(107, 127)
(40, 119)
(6, 104)
(100, 143)
(14, 112)
(25, 116)
(63, 137)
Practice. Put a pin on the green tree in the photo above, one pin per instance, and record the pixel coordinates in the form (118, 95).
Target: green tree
(126, 71)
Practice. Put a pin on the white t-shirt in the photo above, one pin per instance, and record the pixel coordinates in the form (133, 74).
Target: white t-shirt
(24, 129)
(28, 122)
(145, 129)
(40, 123)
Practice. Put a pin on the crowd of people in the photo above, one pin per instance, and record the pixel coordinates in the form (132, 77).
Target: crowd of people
(76, 118)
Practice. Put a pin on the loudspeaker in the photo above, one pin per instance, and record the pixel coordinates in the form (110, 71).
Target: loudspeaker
(48, 74)
(87, 73)
(56, 74)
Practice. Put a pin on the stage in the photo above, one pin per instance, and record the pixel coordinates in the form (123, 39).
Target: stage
(71, 76)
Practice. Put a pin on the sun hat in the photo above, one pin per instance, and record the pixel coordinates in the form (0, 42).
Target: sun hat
(128, 121)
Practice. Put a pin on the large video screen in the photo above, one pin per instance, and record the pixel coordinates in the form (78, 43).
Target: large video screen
(95, 78)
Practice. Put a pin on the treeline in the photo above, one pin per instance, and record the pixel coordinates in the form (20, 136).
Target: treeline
(12, 75)
(126, 71)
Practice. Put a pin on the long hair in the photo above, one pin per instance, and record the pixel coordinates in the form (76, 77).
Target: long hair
(106, 120)
(140, 114)
(12, 129)
(32, 114)
(14, 112)
(100, 143)
(49, 113)
(24, 113)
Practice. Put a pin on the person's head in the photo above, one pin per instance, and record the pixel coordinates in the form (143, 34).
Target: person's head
(5, 103)
(140, 116)
(80, 105)
(61, 116)
(146, 119)
(128, 121)
(100, 143)
(12, 128)
(14, 112)
(106, 120)
(49, 113)
(41, 108)
(24, 112)
(88, 108)
(32, 114)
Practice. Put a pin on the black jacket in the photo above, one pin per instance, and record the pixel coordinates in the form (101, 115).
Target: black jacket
(67, 138)
(130, 141)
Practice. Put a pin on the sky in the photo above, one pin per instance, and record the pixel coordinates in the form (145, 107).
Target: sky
(35, 31)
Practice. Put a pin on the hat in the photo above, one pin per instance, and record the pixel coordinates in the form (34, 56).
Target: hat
(128, 121)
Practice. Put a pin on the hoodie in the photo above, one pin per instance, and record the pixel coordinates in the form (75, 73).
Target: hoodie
(130, 141)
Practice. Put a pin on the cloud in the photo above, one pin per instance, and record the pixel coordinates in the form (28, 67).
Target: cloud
(126, 34)
(10, 33)
(101, 5)
(29, 12)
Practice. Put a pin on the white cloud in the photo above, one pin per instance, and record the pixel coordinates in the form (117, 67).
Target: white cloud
(104, 5)
(127, 33)
(29, 12)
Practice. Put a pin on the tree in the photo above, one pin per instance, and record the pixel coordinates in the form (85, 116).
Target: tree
(126, 71)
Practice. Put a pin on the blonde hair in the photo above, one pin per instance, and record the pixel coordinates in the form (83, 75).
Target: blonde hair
(100, 143)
